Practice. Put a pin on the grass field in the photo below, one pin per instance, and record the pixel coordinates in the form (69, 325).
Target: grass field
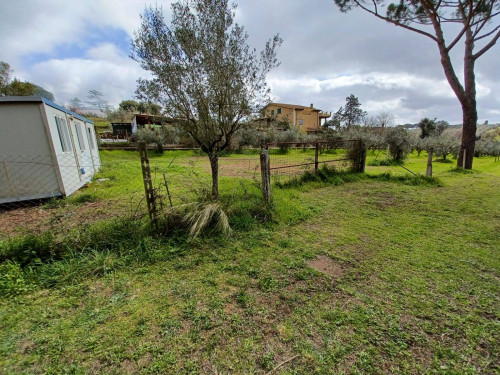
(376, 273)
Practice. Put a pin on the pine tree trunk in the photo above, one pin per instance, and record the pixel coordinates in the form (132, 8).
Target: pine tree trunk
(466, 94)
(469, 108)
(214, 165)
(468, 137)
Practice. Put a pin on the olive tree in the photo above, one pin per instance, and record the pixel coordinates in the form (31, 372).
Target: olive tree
(166, 134)
(399, 143)
(447, 23)
(203, 71)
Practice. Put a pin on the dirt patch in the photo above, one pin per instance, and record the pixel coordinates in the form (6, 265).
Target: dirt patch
(128, 367)
(20, 221)
(325, 264)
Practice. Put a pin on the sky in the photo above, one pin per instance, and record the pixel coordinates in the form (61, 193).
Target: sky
(70, 47)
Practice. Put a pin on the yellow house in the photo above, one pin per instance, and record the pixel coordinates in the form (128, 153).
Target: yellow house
(307, 119)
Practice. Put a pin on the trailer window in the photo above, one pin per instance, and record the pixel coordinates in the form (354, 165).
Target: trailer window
(62, 130)
(91, 139)
(79, 135)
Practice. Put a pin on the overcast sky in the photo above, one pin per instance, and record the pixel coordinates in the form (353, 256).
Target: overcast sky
(70, 47)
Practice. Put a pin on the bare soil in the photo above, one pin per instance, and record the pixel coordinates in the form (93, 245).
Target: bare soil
(36, 219)
(326, 265)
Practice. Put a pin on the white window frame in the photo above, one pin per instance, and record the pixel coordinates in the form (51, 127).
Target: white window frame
(63, 132)
(90, 138)
(79, 136)
(301, 122)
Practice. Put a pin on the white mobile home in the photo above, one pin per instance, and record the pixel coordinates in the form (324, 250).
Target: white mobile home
(45, 149)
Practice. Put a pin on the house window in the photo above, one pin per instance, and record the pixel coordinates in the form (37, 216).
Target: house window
(279, 111)
(79, 135)
(91, 139)
(272, 112)
(62, 130)
(300, 122)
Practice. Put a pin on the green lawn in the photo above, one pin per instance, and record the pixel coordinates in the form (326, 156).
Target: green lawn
(412, 285)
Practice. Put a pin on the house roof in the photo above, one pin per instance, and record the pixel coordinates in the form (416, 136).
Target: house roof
(292, 106)
(39, 99)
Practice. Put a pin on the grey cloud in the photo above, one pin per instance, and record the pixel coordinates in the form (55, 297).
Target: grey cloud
(320, 44)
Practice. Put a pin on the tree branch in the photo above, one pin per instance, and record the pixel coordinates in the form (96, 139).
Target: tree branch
(465, 27)
(488, 34)
(487, 47)
(376, 14)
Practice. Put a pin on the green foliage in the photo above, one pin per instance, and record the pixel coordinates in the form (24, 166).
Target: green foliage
(128, 105)
(487, 147)
(432, 127)
(33, 247)
(350, 114)
(14, 280)
(203, 71)
(408, 179)
(383, 163)
(5, 73)
(399, 143)
(442, 145)
(85, 198)
(165, 135)
(19, 88)
(427, 127)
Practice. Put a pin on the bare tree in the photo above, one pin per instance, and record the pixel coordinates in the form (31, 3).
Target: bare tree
(468, 20)
(203, 71)
(384, 119)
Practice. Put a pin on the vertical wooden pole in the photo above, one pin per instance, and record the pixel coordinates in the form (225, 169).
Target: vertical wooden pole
(316, 151)
(464, 158)
(428, 172)
(148, 184)
(266, 175)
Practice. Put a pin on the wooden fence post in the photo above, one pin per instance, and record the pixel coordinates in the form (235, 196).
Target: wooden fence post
(148, 184)
(316, 158)
(358, 157)
(266, 175)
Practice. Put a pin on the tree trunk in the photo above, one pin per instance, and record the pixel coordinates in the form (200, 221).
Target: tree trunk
(214, 165)
(468, 137)
(428, 172)
(466, 94)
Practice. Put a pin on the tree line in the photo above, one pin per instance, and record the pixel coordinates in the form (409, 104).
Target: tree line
(15, 87)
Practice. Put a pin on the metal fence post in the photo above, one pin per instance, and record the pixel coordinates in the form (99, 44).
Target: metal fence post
(266, 175)
(148, 184)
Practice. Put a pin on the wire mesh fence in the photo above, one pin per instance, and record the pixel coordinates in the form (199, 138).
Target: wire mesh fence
(64, 192)
(291, 160)
(67, 191)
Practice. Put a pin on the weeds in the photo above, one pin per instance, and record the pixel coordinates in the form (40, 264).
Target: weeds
(461, 170)
(413, 180)
(384, 163)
